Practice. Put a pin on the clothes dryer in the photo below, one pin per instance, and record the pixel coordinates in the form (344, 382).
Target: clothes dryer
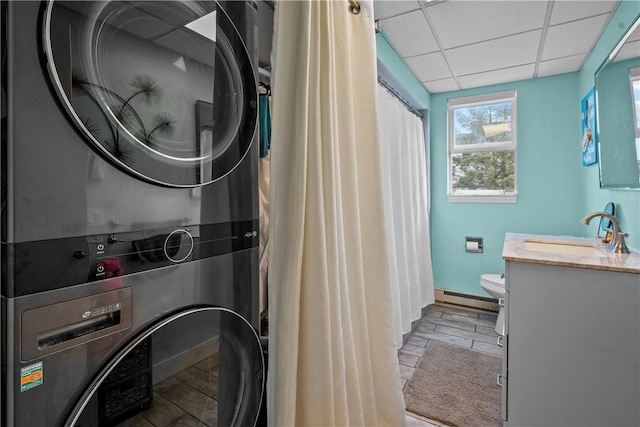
(150, 348)
(129, 213)
(117, 115)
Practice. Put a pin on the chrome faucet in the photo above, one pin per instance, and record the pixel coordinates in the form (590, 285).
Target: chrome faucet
(617, 244)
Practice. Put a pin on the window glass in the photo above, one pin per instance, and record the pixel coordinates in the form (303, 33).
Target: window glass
(634, 78)
(482, 148)
(163, 89)
(200, 367)
(491, 171)
(482, 124)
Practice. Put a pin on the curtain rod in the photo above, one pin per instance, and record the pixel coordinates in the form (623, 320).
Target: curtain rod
(395, 93)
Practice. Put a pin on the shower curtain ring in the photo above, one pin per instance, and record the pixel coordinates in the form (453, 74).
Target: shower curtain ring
(354, 7)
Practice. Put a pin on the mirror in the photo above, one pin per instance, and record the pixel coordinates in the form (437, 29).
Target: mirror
(605, 223)
(618, 113)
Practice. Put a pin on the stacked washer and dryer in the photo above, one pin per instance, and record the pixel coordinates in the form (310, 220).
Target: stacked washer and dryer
(129, 214)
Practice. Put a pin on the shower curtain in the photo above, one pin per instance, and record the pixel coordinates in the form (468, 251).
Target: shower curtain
(406, 210)
(264, 167)
(333, 359)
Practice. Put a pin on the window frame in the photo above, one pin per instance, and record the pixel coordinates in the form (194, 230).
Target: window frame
(634, 76)
(482, 196)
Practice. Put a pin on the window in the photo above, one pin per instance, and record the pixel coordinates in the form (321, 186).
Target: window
(482, 148)
(634, 79)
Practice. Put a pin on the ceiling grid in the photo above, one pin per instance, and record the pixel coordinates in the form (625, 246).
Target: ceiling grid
(460, 44)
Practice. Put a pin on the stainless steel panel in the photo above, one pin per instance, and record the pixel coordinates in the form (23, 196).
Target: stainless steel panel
(227, 281)
(57, 327)
(58, 186)
(220, 383)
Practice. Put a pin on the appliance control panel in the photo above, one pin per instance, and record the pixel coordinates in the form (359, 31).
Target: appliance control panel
(53, 264)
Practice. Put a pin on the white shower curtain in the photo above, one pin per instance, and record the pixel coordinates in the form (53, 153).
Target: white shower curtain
(333, 359)
(406, 210)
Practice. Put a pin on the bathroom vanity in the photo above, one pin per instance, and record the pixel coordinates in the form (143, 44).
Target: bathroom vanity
(571, 350)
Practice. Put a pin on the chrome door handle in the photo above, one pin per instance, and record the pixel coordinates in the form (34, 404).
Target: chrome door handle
(499, 380)
(500, 341)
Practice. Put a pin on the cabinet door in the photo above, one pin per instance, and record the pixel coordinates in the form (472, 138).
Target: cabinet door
(573, 346)
(504, 381)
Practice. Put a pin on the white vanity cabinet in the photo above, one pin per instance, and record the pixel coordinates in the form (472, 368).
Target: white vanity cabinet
(572, 346)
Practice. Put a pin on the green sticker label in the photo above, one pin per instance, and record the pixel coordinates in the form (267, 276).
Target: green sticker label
(31, 376)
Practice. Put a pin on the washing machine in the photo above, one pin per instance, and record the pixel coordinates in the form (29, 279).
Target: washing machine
(129, 214)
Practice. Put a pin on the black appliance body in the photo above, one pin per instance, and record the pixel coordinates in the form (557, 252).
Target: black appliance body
(129, 214)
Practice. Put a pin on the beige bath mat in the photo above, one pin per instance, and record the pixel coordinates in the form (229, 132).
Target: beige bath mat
(456, 387)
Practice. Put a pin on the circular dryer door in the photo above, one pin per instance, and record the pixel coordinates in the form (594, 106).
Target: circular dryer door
(165, 89)
(202, 366)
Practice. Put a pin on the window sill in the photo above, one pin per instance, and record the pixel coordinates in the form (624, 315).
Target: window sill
(482, 198)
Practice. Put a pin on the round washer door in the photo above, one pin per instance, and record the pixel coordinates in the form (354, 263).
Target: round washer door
(201, 366)
(166, 89)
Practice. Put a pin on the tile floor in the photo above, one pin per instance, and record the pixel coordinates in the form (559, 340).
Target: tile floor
(472, 329)
(176, 403)
(186, 399)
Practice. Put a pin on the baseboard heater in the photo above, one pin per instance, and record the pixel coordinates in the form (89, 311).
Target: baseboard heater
(466, 300)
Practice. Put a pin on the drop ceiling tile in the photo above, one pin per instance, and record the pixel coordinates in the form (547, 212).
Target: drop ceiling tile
(522, 72)
(410, 34)
(562, 40)
(629, 50)
(635, 35)
(444, 85)
(460, 23)
(567, 64)
(386, 8)
(565, 11)
(495, 54)
(431, 66)
(476, 32)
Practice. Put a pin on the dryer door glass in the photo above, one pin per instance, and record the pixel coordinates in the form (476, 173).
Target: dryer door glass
(165, 89)
(198, 367)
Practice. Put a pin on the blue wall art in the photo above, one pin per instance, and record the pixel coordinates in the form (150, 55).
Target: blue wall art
(589, 131)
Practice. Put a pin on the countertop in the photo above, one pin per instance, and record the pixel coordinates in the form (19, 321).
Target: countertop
(601, 258)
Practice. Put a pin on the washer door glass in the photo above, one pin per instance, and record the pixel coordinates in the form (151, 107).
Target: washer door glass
(201, 367)
(165, 89)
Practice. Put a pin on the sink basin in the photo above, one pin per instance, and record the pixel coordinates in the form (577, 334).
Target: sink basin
(571, 248)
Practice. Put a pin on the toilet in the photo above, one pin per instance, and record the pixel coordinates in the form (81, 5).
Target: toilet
(493, 284)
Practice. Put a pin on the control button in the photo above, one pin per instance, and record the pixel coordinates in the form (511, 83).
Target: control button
(100, 269)
(79, 254)
(100, 247)
(178, 245)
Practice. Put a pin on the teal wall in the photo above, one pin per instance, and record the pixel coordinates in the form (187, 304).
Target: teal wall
(554, 190)
(390, 58)
(548, 170)
(627, 201)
